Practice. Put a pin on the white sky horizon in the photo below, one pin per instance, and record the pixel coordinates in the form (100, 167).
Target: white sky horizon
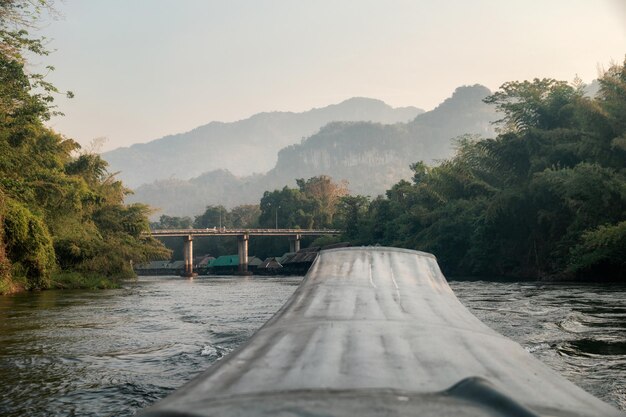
(145, 69)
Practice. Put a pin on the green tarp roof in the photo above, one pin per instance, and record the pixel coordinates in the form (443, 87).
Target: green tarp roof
(233, 260)
(225, 260)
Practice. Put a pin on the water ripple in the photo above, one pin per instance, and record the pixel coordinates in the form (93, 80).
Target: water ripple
(578, 330)
(111, 353)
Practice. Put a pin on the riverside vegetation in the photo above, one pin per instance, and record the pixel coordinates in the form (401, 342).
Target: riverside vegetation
(63, 221)
(544, 199)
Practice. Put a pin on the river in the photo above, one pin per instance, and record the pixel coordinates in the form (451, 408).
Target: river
(113, 352)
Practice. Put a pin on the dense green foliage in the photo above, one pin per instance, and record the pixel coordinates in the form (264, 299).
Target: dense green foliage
(310, 206)
(546, 198)
(59, 209)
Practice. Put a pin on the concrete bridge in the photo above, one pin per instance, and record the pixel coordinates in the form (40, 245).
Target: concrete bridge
(242, 235)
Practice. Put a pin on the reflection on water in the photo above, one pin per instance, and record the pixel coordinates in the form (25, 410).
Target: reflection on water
(109, 353)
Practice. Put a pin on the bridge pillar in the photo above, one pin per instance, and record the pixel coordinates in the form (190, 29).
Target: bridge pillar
(242, 249)
(294, 243)
(188, 251)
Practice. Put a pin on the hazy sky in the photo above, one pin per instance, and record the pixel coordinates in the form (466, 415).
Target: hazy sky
(142, 69)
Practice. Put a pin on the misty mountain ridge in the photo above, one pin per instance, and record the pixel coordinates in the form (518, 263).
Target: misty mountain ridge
(370, 156)
(242, 147)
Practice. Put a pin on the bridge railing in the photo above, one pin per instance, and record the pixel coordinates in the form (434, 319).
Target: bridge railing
(250, 232)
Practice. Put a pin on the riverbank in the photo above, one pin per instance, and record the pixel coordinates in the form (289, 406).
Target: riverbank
(77, 280)
(64, 280)
(71, 280)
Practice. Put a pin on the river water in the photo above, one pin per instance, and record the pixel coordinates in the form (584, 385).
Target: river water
(113, 352)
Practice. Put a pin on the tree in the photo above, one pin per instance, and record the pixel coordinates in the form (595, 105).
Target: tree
(173, 222)
(23, 94)
(286, 208)
(352, 213)
(542, 104)
(245, 215)
(601, 252)
(213, 216)
(57, 209)
(324, 194)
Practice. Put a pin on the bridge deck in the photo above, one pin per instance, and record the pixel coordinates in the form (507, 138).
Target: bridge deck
(378, 331)
(240, 232)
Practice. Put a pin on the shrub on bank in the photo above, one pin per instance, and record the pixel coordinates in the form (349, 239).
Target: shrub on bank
(77, 280)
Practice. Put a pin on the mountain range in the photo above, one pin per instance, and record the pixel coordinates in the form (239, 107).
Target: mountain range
(370, 155)
(243, 147)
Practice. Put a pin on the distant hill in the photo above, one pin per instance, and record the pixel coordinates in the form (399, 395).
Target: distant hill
(243, 147)
(371, 156)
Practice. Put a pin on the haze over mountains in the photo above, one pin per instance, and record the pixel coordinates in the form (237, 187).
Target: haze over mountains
(372, 155)
(244, 147)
